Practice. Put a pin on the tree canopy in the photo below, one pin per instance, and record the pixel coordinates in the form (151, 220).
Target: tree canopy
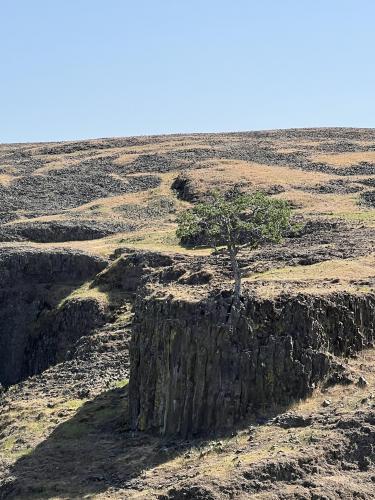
(234, 218)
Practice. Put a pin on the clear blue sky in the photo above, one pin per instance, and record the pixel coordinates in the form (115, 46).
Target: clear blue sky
(87, 68)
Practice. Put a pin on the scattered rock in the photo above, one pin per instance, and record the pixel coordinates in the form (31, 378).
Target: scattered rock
(362, 382)
(290, 420)
(185, 187)
(199, 278)
(190, 492)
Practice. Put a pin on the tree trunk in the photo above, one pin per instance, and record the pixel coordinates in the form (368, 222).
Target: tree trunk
(236, 273)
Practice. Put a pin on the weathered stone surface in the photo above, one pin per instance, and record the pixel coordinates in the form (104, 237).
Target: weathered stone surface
(69, 187)
(31, 266)
(34, 333)
(291, 419)
(57, 332)
(132, 269)
(199, 368)
(65, 230)
(185, 188)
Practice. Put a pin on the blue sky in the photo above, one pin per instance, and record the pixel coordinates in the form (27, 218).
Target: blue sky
(73, 69)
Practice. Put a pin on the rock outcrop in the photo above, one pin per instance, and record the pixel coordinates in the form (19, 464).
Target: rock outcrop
(35, 329)
(197, 367)
(185, 188)
(58, 231)
(28, 266)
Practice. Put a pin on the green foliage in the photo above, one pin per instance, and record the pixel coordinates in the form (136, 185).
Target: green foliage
(225, 219)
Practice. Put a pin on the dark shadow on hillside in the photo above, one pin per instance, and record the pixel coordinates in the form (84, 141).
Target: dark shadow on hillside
(87, 454)
(29, 314)
(94, 451)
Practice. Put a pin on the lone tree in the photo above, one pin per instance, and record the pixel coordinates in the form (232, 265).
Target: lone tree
(233, 220)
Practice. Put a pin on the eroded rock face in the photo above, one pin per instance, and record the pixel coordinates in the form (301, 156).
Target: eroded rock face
(199, 368)
(31, 267)
(131, 270)
(57, 331)
(57, 231)
(34, 331)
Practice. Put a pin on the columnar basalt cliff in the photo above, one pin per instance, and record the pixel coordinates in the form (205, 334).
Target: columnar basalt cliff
(35, 331)
(197, 367)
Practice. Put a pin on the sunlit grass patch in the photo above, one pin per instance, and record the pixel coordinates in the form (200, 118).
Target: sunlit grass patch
(163, 239)
(85, 291)
(346, 159)
(119, 384)
(366, 216)
(362, 267)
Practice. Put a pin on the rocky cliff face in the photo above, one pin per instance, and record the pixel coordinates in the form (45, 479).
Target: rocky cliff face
(199, 367)
(34, 331)
(32, 267)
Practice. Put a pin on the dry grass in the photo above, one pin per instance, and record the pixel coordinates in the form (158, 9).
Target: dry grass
(105, 205)
(85, 291)
(33, 420)
(366, 216)
(42, 218)
(344, 159)
(346, 398)
(159, 234)
(126, 154)
(350, 269)
(321, 204)
(161, 238)
(259, 175)
(323, 278)
(161, 148)
(6, 179)
(228, 172)
(56, 164)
